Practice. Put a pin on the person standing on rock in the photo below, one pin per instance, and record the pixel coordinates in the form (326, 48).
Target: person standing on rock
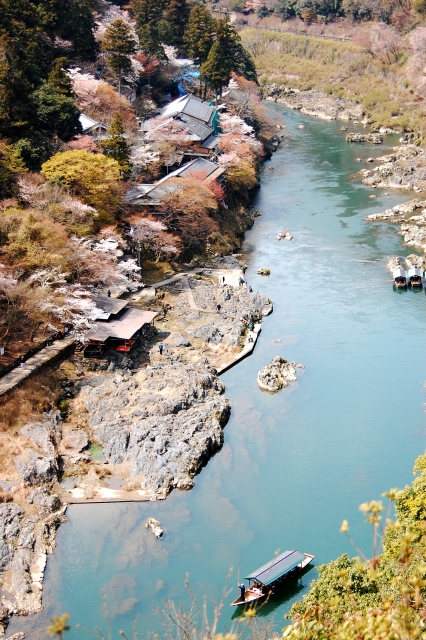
(160, 348)
(22, 361)
(218, 307)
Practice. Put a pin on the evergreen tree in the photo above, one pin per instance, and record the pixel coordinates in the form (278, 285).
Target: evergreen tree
(17, 113)
(57, 114)
(199, 32)
(77, 24)
(120, 44)
(226, 55)
(177, 14)
(148, 14)
(115, 146)
(58, 79)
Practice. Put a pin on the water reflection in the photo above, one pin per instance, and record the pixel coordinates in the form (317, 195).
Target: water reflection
(295, 464)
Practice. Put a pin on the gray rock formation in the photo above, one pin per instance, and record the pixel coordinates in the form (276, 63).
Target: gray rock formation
(45, 434)
(167, 420)
(375, 138)
(415, 261)
(404, 168)
(414, 236)
(394, 262)
(44, 501)
(277, 375)
(313, 102)
(37, 469)
(400, 212)
(24, 542)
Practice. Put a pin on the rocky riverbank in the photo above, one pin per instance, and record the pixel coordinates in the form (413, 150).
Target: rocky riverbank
(158, 417)
(314, 103)
(30, 514)
(161, 418)
(411, 218)
(404, 168)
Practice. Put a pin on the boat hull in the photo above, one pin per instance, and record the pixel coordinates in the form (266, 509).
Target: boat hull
(250, 597)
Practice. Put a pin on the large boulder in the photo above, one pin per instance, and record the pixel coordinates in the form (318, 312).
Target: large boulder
(44, 501)
(277, 375)
(45, 434)
(37, 469)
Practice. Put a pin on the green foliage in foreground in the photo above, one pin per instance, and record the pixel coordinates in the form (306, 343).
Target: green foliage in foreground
(382, 598)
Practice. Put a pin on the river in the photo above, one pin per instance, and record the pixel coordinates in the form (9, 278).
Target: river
(295, 464)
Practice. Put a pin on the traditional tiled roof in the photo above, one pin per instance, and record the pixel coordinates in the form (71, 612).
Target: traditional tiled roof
(151, 194)
(190, 106)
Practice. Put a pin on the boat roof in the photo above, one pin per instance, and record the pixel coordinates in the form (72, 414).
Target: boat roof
(415, 271)
(277, 567)
(399, 273)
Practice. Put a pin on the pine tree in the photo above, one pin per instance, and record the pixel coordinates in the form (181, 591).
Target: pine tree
(199, 32)
(58, 79)
(177, 14)
(120, 44)
(148, 14)
(226, 55)
(115, 146)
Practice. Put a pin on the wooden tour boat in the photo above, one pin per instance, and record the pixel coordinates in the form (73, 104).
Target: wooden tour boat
(399, 278)
(263, 581)
(415, 277)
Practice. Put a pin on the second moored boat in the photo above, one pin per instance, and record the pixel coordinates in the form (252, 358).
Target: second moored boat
(415, 276)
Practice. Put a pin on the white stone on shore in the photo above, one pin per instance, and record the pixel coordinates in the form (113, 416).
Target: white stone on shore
(155, 527)
(277, 375)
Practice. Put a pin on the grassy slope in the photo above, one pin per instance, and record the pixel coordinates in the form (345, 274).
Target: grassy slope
(341, 69)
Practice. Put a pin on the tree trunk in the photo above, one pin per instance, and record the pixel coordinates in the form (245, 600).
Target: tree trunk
(34, 329)
(119, 81)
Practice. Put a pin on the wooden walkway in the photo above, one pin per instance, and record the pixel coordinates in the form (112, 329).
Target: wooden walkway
(18, 375)
(246, 351)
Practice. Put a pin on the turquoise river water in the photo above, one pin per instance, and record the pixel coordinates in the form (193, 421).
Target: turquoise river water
(295, 464)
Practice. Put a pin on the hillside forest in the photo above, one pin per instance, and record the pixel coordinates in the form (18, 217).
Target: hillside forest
(65, 219)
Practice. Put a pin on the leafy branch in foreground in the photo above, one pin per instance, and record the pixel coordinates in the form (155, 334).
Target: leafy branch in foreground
(379, 598)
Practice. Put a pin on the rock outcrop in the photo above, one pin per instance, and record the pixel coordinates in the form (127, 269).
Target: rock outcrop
(285, 235)
(166, 421)
(28, 526)
(25, 540)
(264, 272)
(415, 261)
(313, 102)
(400, 212)
(404, 168)
(394, 262)
(155, 527)
(277, 375)
(375, 138)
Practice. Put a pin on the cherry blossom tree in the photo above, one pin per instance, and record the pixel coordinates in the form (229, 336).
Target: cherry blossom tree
(152, 236)
(83, 142)
(10, 295)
